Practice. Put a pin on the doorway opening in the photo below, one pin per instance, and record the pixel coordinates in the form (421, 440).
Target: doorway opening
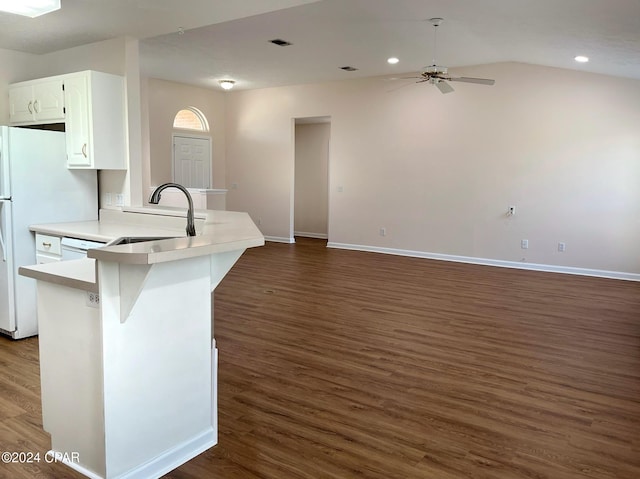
(311, 177)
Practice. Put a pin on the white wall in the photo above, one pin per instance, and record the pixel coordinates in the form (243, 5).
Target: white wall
(311, 201)
(107, 56)
(14, 66)
(439, 171)
(165, 99)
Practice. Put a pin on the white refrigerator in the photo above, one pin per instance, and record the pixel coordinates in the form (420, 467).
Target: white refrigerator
(35, 187)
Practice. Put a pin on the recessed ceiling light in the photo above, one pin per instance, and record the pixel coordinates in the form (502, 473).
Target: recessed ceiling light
(227, 84)
(392, 60)
(581, 59)
(32, 9)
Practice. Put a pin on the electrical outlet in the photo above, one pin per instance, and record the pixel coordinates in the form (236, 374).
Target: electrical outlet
(340, 189)
(562, 247)
(234, 186)
(383, 231)
(524, 244)
(119, 199)
(93, 299)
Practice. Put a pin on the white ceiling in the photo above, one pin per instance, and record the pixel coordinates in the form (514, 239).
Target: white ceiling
(79, 22)
(230, 39)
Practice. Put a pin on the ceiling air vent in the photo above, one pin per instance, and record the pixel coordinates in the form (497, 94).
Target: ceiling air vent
(280, 42)
(348, 69)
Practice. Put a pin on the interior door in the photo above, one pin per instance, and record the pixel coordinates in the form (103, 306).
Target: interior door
(192, 161)
(7, 303)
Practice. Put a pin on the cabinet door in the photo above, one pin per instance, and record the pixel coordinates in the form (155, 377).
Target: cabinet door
(48, 101)
(77, 122)
(21, 104)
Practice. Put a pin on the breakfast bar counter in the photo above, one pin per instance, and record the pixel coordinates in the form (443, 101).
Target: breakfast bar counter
(127, 355)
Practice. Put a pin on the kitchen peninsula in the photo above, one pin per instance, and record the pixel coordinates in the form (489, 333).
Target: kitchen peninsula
(127, 355)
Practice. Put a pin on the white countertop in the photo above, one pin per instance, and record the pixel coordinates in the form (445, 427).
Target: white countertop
(116, 223)
(219, 232)
(76, 273)
(145, 222)
(241, 234)
(103, 231)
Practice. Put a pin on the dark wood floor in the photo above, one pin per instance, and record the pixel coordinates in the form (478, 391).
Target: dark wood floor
(341, 364)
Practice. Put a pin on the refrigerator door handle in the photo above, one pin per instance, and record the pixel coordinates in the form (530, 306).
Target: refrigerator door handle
(4, 249)
(2, 243)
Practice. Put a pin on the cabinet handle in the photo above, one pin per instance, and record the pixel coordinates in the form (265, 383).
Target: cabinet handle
(29, 107)
(35, 106)
(46, 245)
(84, 150)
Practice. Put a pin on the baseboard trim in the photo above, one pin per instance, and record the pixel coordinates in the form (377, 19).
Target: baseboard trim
(173, 458)
(54, 455)
(305, 234)
(279, 239)
(490, 262)
(158, 466)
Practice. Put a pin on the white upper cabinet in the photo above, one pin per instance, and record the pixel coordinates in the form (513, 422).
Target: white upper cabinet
(79, 144)
(37, 102)
(95, 121)
(91, 106)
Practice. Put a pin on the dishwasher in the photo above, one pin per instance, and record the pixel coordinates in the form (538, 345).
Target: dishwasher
(74, 248)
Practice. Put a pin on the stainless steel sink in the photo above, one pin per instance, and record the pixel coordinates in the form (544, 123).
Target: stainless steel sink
(137, 239)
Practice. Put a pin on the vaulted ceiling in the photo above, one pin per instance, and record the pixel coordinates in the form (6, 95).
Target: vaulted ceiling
(201, 41)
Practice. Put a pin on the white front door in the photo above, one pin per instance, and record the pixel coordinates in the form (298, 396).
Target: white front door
(192, 161)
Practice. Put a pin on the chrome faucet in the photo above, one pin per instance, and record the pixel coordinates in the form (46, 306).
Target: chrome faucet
(155, 198)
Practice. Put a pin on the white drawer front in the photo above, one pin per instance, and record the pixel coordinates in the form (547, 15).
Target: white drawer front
(48, 244)
(45, 258)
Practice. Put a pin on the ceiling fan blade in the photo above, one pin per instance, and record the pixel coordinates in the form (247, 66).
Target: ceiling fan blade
(399, 87)
(444, 87)
(480, 81)
(420, 80)
(401, 78)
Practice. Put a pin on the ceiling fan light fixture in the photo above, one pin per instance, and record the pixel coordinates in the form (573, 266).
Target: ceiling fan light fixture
(227, 84)
(581, 59)
(436, 75)
(30, 8)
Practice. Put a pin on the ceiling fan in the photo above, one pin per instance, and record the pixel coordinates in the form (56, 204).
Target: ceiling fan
(438, 75)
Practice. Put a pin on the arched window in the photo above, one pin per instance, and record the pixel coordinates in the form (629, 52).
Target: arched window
(191, 119)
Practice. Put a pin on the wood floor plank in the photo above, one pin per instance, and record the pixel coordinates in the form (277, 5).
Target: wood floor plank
(341, 364)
